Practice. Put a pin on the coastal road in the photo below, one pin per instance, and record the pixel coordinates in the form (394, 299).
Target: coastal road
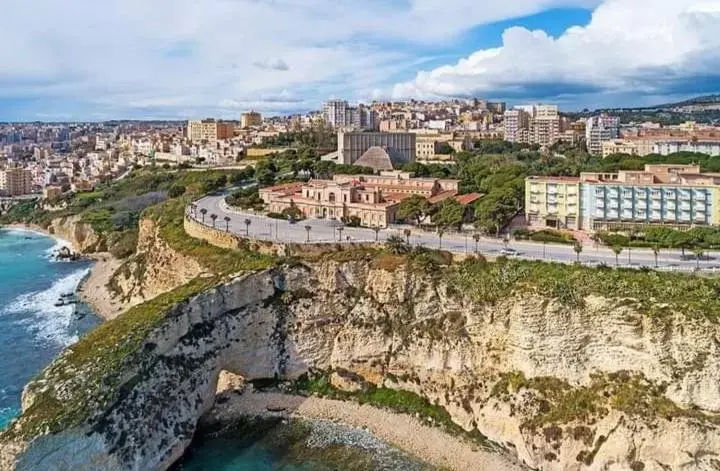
(323, 230)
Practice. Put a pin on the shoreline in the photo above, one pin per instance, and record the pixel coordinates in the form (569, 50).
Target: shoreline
(104, 265)
(405, 432)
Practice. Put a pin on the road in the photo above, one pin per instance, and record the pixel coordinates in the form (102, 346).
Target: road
(264, 228)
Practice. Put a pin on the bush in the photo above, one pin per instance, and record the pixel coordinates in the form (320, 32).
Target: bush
(176, 191)
(546, 235)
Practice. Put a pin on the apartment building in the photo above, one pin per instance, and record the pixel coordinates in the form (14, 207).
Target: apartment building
(516, 123)
(250, 119)
(533, 124)
(339, 115)
(600, 129)
(668, 147)
(335, 113)
(668, 195)
(639, 147)
(373, 199)
(209, 130)
(352, 145)
(16, 181)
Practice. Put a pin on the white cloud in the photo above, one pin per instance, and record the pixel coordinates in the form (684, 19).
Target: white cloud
(646, 47)
(127, 56)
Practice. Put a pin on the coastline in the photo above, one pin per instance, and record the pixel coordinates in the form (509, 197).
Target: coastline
(93, 288)
(430, 444)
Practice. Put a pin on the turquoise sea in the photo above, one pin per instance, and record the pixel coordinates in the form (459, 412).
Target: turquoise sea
(33, 331)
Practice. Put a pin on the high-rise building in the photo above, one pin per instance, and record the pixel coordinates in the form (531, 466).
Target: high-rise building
(209, 130)
(534, 124)
(516, 124)
(335, 112)
(352, 145)
(16, 181)
(599, 129)
(250, 119)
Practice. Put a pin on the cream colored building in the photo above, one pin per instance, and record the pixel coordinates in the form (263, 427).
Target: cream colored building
(553, 202)
(209, 130)
(250, 119)
(373, 199)
(16, 181)
(637, 147)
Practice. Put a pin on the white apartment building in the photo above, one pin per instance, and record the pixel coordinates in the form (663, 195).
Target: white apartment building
(599, 129)
(533, 124)
(516, 124)
(335, 113)
(711, 148)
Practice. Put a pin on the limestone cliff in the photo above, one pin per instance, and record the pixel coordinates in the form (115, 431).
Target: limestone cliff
(80, 234)
(597, 384)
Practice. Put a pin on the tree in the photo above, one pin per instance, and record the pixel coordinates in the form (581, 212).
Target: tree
(440, 233)
(397, 245)
(578, 248)
(175, 191)
(376, 229)
(476, 238)
(340, 231)
(214, 217)
(407, 233)
(656, 252)
(247, 226)
(450, 214)
(617, 250)
(699, 253)
(307, 229)
(203, 211)
(227, 223)
(415, 208)
(494, 210)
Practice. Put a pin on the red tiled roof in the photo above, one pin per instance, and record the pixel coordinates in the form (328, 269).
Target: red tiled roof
(468, 199)
(442, 196)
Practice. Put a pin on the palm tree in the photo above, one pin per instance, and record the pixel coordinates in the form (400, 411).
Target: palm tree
(578, 248)
(506, 240)
(656, 252)
(476, 238)
(213, 216)
(203, 211)
(698, 255)
(617, 250)
(307, 229)
(440, 232)
(227, 223)
(407, 233)
(377, 232)
(247, 227)
(340, 231)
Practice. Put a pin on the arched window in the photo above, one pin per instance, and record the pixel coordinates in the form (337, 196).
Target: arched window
(331, 197)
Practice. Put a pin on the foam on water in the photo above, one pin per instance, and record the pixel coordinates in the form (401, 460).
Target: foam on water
(47, 321)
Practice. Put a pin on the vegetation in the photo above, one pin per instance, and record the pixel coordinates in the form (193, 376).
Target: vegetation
(246, 198)
(546, 235)
(664, 237)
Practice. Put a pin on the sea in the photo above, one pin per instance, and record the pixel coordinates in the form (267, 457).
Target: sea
(33, 331)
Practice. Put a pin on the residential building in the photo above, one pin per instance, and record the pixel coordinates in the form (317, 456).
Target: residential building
(352, 145)
(668, 195)
(533, 124)
(600, 129)
(516, 124)
(711, 148)
(250, 119)
(209, 130)
(16, 181)
(335, 113)
(373, 199)
(639, 147)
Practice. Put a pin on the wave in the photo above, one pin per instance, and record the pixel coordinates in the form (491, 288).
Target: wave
(23, 232)
(7, 414)
(47, 321)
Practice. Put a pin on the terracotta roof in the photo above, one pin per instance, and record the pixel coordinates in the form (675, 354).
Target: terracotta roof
(284, 187)
(468, 199)
(442, 196)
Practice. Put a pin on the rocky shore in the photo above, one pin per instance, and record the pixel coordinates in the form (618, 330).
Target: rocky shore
(405, 432)
(94, 291)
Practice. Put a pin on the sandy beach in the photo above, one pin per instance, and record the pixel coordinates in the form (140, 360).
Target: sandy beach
(430, 444)
(93, 289)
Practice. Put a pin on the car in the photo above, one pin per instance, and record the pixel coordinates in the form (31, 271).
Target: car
(509, 252)
(291, 220)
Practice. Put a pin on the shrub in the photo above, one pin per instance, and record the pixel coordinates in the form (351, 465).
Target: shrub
(175, 191)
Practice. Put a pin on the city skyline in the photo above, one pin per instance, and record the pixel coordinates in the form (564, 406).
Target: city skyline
(168, 60)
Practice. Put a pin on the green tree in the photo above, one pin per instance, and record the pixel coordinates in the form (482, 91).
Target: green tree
(415, 208)
(397, 245)
(617, 250)
(494, 210)
(578, 248)
(450, 213)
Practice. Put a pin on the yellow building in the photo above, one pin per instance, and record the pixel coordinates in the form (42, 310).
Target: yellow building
(640, 148)
(209, 130)
(250, 119)
(553, 202)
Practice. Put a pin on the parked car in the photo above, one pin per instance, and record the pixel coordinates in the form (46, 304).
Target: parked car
(509, 252)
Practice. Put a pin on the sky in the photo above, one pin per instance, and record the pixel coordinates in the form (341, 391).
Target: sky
(182, 59)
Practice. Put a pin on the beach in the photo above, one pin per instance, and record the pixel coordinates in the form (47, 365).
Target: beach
(406, 432)
(93, 288)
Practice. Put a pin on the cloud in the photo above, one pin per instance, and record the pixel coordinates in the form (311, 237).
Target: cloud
(276, 64)
(649, 47)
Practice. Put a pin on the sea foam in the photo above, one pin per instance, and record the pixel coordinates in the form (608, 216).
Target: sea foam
(47, 321)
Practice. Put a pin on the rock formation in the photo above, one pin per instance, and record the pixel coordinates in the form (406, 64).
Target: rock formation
(605, 386)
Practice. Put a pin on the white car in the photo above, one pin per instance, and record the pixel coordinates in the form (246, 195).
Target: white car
(509, 252)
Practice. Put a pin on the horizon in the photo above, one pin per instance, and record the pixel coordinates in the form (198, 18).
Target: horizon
(287, 57)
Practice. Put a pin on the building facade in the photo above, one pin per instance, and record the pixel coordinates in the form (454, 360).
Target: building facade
(352, 145)
(600, 129)
(516, 123)
(533, 124)
(16, 181)
(666, 195)
(209, 130)
(373, 199)
(250, 119)
(711, 148)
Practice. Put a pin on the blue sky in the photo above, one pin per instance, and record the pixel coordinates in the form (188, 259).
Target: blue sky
(168, 59)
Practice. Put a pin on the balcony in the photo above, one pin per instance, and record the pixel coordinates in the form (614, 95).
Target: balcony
(600, 204)
(655, 216)
(684, 195)
(700, 196)
(656, 195)
(669, 195)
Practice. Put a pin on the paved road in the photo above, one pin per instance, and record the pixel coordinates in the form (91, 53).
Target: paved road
(265, 228)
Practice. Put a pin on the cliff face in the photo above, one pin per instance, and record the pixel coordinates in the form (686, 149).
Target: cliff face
(599, 387)
(80, 234)
(155, 268)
